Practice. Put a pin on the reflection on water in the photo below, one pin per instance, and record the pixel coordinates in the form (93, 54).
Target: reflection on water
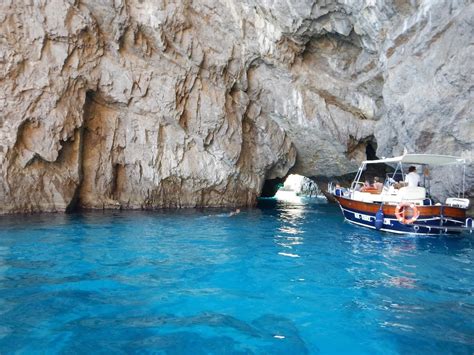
(291, 219)
(290, 230)
(289, 255)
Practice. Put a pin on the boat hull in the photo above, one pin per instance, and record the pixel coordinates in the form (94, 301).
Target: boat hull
(432, 219)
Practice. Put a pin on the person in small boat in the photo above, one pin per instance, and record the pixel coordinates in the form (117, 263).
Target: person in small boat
(368, 186)
(377, 184)
(412, 178)
(343, 190)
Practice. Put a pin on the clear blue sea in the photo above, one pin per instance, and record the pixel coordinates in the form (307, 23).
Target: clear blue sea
(279, 279)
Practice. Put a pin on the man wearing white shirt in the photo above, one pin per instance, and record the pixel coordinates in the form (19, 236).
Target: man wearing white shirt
(412, 178)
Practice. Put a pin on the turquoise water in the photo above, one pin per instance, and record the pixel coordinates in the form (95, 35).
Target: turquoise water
(279, 279)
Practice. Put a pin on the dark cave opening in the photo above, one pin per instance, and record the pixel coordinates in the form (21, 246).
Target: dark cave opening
(377, 169)
(370, 150)
(271, 186)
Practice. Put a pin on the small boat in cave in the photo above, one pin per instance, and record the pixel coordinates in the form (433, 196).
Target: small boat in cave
(399, 204)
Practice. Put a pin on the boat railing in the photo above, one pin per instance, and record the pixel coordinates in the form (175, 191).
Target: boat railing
(336, 190)
(457, 202)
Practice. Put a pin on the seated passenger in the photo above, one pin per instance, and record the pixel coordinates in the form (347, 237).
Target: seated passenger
(412, 178)
(367, 186)
(377, 184)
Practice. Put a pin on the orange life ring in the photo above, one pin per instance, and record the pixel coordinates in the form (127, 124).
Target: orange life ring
(400, 213)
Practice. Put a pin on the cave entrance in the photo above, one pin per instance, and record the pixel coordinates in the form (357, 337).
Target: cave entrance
(271, 186)
(292, 188)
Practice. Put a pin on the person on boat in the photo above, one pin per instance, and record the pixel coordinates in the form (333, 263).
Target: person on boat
(426, 178)
(412, 178)
(377, 184)
(367, 186)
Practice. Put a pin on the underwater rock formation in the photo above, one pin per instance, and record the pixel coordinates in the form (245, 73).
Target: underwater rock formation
(148, 104)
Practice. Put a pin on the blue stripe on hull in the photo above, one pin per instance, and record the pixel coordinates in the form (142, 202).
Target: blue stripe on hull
(391, 224)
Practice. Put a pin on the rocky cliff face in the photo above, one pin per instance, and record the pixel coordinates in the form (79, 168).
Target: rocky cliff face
(144, 104)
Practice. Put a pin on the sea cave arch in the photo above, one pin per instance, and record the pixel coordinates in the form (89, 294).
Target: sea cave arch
(292, 183)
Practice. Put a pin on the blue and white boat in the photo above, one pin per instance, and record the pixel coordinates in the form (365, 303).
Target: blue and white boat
(397, 208)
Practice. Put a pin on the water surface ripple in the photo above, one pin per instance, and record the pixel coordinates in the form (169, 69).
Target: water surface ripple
(279, 279)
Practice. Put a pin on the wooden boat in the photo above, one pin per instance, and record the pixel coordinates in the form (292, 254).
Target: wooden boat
(404, 209)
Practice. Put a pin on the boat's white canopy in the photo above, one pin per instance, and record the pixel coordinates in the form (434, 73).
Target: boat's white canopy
(428, 159)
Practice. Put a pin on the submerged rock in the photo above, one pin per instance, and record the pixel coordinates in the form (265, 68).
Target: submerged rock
(145, 104)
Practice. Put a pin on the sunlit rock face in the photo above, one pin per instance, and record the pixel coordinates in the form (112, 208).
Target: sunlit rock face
(428, 91)
(148, 104)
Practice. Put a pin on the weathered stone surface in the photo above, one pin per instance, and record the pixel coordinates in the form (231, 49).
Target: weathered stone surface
(428, 90)
(145, 104)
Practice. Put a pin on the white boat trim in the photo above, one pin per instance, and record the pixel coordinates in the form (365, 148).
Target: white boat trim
(388, 230)
(425, 159)
(368, 218)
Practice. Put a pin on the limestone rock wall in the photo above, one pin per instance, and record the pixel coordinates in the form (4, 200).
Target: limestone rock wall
(146, 104)
(428, 91)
